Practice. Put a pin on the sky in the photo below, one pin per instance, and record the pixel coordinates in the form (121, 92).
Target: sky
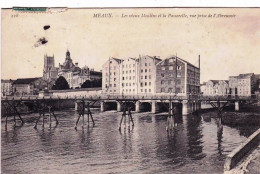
(227, 46)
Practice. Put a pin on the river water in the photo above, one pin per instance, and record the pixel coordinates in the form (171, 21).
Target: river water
(196, 145)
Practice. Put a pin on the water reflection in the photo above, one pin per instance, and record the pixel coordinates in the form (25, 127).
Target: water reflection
(194, 134)
(145, 148)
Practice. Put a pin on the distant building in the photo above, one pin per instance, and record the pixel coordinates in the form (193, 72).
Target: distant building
(175, 75)
(203, 88)
(28, 86)
(6, 87)
(111, 76)
(217, 87)
(243, 84)
(50, 72)
(74, 75)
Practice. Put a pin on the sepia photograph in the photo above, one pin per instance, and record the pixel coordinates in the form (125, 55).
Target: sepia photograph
(130, 90)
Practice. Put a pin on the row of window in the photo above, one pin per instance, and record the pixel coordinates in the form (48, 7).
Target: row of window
(171, 75)
(126, 66)
(133, 90)
(145, 70)
(170, 67)
(170, 82)
(129, 71)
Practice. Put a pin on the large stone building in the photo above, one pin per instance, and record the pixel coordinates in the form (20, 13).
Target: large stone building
(111, 76)
(75, 75)
(175, 75)
(6, 87)
(243, 84)
(150, 75)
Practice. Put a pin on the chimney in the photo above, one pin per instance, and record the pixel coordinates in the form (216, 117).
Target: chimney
(199, 61)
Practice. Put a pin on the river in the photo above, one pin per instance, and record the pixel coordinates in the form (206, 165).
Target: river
(196, 145)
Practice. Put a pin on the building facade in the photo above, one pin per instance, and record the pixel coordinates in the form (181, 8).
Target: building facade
(111, 76)
(243, 84)
(7, 87)
(147, 74)
(217, 87)
(175, 75)
(128, 76)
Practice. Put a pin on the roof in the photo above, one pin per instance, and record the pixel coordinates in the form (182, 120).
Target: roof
(215, 81)
(26, 81)
(116, 59)
(95, 73)
(241, 76)
(7, 81)
(173, 56)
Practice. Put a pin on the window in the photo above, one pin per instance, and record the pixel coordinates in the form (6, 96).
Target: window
(130, 71)
(162, 90)
(126, 66)
(133, 65)
(114, 85)
(123, 66)
(123, 84)
(145, 70)
(123, 72)
(150, 83)
(145, 84)
(141, 90)
(126, 72)
(162, 82)
(163, 68)
(130, 78)
(145, 64)
(129, 90)
(150, 90)
(141, 77)
(150, 77)
(123, 78)
(145, 90)
(110, 85)
(114, 79)
(171, 68)
(141, 84)
(141, 70)
(129, 66)
(178, 67)
(162, 75)
(145, 77)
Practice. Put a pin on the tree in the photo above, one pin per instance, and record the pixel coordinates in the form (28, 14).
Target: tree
(86, 84)
(92, 84)
(60, 84)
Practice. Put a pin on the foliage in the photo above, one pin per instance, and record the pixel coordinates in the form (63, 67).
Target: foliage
(60, 84)
(92, 84)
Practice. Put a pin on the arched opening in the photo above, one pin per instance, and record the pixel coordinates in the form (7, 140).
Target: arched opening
(145, 107)
(110, 106)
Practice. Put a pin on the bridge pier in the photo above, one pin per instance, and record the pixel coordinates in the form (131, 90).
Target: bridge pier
(236, 105)
(76, 106)
(155, 107)
(102, 106)
(119, 108)
(137, 106)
